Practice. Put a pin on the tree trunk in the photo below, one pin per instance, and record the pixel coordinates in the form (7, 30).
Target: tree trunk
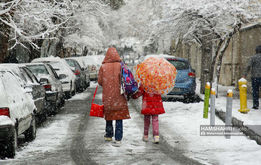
(205, 64)
(3, 47)
(4, 37)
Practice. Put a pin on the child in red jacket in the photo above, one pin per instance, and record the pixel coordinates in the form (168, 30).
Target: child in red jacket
(152, 106)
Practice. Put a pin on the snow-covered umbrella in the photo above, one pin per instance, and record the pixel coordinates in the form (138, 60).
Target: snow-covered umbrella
(156, 75)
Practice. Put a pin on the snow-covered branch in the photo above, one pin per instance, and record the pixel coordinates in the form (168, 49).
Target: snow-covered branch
(34, 19)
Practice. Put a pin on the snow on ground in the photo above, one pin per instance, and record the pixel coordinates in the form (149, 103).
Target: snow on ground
(83, 95)
(180, 118)
(132, 146)
(185, 119)
(47, 138)
(251, 118)
(80, 96)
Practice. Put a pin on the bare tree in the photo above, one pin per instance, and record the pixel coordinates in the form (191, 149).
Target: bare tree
(206, 22)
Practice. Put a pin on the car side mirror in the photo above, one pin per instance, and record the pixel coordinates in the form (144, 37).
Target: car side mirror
(62, 76)
(43, 81)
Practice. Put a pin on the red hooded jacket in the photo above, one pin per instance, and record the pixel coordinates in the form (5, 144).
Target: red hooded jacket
(151, 103)
(115, 104)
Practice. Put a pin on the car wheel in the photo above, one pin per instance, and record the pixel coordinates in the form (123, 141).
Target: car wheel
(30, 134)
(11, 145)
(54, 109)
(74, 91)
(44, 116)
(62, 102)
(68, 94)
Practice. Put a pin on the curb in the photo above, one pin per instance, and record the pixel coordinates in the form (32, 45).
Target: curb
(240, 124)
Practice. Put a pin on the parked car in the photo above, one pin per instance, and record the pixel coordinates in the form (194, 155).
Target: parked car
(81, 84)
(16, 113)
(84, 67)
(93, 63)
(64, 71)
(32, 85)
(185, 83)
(47, 76)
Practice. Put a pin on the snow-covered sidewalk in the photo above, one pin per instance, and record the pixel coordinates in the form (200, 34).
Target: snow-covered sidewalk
(186, 119)
(251, 120)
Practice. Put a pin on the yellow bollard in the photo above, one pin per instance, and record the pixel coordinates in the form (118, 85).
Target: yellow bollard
(242, 83)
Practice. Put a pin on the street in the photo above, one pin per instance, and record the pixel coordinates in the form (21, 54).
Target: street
(72, 137)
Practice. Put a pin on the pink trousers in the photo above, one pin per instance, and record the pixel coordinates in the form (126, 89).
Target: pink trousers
(155, 124)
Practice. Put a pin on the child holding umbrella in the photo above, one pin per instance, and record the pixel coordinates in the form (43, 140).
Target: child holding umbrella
(151, 107)
(156, 76)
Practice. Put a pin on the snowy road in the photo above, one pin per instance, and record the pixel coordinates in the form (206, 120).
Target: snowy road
(72, 137)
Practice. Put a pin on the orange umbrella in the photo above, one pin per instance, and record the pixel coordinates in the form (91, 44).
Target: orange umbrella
(156, 75)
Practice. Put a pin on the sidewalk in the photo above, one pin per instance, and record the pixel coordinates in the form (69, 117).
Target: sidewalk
(250, 123)
(180, 129)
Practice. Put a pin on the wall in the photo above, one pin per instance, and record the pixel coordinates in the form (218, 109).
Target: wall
(241, 48)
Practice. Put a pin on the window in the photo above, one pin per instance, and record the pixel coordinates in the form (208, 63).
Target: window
(38, 69)
(180, 65)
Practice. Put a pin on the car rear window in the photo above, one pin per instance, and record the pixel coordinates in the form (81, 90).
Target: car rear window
(180, 65)
(38, 69)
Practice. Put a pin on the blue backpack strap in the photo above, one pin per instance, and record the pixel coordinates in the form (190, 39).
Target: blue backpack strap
(121, 76)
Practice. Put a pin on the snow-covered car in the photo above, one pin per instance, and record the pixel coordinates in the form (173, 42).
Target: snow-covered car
(47, 76)
(185, 83)
(81, 84)
(67, 77)
(32, 85)
(84, 67)
(16, 112)
(93, 64)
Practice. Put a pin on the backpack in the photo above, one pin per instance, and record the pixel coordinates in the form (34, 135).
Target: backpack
(128, 83)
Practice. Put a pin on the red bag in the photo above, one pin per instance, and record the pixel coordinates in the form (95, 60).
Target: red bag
(96, 109)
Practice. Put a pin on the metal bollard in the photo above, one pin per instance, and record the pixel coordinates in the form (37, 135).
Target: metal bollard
(242, 83)
(228, 119)
(206, 100)
(212, 106)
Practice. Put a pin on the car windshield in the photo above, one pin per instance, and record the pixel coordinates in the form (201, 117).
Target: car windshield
(70, 62)
(180, 65)
(38, 69)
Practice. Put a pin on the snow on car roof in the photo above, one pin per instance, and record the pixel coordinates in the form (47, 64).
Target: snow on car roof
(89, 60)
(164, 56)
(50, 58)
(14, 68)
(159, 55)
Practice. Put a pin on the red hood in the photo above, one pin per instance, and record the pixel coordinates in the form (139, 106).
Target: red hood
(111, 56)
